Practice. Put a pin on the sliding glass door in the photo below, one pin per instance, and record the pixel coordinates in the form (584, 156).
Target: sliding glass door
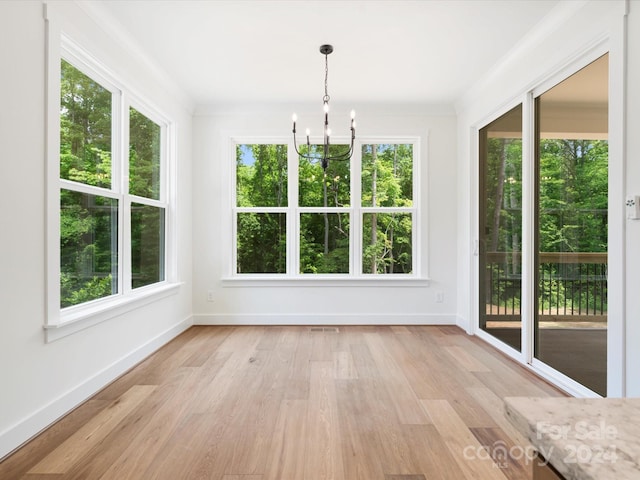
(567, 173)
(501, 227)
(571, 241)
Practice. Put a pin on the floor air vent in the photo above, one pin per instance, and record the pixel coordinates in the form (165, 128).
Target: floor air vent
(324, 329)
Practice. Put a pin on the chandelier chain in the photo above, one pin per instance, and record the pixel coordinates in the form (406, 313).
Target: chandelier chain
(326, 78)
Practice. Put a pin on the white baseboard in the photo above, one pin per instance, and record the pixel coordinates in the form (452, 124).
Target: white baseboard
(323, 319)
(464, 325)
(16, 435)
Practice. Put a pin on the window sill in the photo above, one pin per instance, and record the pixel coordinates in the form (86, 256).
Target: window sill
(74, 319)
(323, 281)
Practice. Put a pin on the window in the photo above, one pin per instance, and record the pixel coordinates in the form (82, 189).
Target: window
(387, 200)
(324, 199)
(261, 196)
(357, 219)
(88, 207)
(108, 167)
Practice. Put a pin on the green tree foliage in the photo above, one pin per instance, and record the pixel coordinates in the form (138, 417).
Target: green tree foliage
(147, 244)
(573, 195)
(261, 181)
(262, 242)
(387, 175)
(387, 181)
(147, 222)
(391, 252)
(261, 175)
(573, 218)
(144, 156)
(85, 129)
(324, 243)
(324, 237)
(573, 190)
(318, 188)
(88, 267)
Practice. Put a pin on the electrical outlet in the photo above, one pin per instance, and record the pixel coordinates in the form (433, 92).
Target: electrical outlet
(210, 297)
(439, 297)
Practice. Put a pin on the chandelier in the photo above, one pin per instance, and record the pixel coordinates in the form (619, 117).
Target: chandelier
(324, 156)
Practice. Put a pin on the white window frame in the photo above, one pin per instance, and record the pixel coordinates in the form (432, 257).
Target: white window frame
(292, 277)
(61, 322)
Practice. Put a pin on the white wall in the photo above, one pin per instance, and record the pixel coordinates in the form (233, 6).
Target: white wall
(340, 305)
(632, 262)
(39, 381)
(576, 28)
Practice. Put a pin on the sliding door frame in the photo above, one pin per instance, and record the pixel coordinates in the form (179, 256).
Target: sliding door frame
(615, 278)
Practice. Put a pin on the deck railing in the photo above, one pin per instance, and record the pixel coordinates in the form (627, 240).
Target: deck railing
(571, 286)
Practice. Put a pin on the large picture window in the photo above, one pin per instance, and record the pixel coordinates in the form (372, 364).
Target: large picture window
(356, 219)
(109, 171)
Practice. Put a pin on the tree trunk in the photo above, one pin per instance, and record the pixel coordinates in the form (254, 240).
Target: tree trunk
(374, 216)
(497, 208)
(395, 174)
(326, 215)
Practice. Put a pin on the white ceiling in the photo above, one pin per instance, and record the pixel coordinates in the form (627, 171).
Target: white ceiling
(223, 52)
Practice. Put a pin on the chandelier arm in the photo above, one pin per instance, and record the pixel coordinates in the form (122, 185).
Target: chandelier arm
(346, 155)
(300, 154)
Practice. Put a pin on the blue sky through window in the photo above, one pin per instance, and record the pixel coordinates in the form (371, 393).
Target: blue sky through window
(246, 155)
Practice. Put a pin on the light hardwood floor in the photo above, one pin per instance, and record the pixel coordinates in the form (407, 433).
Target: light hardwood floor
(289, 403)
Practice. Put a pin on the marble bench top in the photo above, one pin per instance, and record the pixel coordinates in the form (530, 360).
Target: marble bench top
(583, 438)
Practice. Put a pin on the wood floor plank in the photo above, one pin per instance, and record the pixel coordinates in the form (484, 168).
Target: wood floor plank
(407, 405)
(242, 477)
(270, 338)
(203, 347)
(405, 477)
(466, 360)
(363, 361)
(505, 454)
(400, 330)
(361, 444)
(383, 430)
(42, 476)
(68, 453)
(104, 454)
(494, 406)
(145, 446)
(259, 414)
(38, 448)
(215, 389)
(287, 457)
(323, 445)
(431, 454)
(183, 449)
(321, 344)
(344, 367)
(462, 444)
